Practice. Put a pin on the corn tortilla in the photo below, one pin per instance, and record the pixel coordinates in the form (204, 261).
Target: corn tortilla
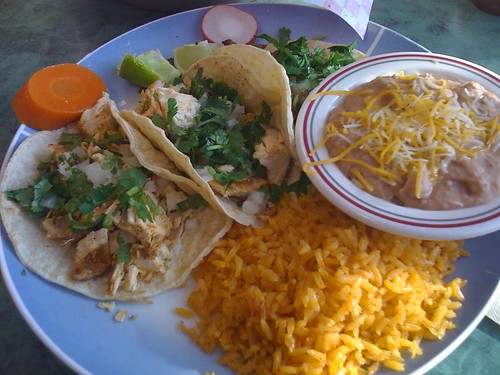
(53, 261)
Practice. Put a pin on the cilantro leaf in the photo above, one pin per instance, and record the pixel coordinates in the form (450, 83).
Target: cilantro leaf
(275, 192)
(24, 197)
(112, 162)
(299, 187)
(159, 121)
(228, 178)
(78, 185)
(177, 131)
(199, 85)
(284, 35)
(193, 201)
(123, 251)
(71, 140)
(143, 206)
(132, 177)
(172, 110)
(306, 68)
(222, 89)
(85, 222)
(97, 197)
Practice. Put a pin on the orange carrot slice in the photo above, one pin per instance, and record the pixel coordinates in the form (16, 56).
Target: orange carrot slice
(57, 95)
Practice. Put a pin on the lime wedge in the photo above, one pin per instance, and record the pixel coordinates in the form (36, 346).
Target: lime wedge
(187, 55)
(146, 68)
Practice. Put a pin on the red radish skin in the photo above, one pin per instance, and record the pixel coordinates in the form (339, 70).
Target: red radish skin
(223, 22)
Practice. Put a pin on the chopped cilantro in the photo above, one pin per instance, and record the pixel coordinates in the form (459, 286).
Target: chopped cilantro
(193, 201)
(221, 89)
(85, 222)
(159, 121)
(107, 222)
(177, 80)
(177, 131)
(130, 183)
(112, 162)
(123, 251)
(275, 192)
(299, 187)
(114, 137)
(25, 198)
(305, 68)
(198, 85)
(97, 197)
(30, 198)
(144, 205)
(72, 158)
(211, 142)
(76, 197)
(227, 178)
(172, 110)
(132, 177)
(71, 140)
(302, 64)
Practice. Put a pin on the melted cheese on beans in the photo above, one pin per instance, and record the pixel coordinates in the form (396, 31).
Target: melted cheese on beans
(410, 124)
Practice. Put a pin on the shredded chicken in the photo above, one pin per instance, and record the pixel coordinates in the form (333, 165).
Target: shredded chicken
(109, 306)
(92, 257)
(240, 188)
(59, 229)
(131, 251)
(273, 154)
(116, 278)
(157, 98)
(146, 232)
(98, 120)
(120, 315)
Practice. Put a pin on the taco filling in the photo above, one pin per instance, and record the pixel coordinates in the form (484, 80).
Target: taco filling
(120, 221)
(236, 152)
(225, 127)
(308, 61)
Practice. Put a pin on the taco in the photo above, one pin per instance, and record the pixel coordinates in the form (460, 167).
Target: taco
(94, 208)
(228, 127)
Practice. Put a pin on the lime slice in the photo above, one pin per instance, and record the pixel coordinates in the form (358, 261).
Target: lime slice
(187, 55)
(146, 68)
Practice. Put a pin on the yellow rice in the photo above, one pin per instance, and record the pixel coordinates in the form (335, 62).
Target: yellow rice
(315, 292)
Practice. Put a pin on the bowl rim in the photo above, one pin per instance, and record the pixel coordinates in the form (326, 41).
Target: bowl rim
(376, 212)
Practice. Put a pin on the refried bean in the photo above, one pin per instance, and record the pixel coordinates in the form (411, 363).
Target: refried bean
(423, 142)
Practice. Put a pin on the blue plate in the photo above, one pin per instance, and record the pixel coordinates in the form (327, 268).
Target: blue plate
(88, 340)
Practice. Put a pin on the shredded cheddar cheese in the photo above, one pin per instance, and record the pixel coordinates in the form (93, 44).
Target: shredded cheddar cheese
(412, 125)
(339, 92)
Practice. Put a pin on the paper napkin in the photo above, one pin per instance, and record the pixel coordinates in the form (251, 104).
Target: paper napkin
(494, 313)
(355, 12)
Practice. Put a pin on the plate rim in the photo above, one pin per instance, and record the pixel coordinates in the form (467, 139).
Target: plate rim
(7, 272)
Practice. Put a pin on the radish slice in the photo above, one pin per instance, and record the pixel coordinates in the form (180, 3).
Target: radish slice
(223, 22)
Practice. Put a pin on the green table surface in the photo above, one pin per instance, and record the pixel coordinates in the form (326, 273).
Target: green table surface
(37, 33)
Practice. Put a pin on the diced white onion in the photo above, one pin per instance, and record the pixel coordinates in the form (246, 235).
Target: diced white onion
(205, 174)
(95, 173)
(235, 115)
(64, 169)
(255, 203)
(226, 168)
(48, 202)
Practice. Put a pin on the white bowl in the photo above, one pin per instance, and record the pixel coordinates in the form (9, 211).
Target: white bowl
(373, 211)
